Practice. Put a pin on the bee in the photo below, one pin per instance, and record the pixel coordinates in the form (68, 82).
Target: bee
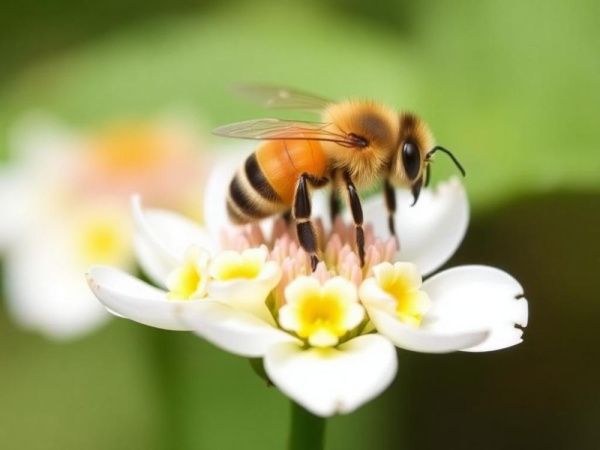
(355, 144)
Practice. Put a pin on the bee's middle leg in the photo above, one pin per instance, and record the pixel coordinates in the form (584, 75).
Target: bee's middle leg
(307, 236)
(334, 204)
(357, 216)
(334, 198)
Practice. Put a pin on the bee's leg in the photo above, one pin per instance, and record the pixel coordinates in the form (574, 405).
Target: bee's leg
(334, 204)
(357, 216)
(334, 198)
(390, 203)
(304, 228)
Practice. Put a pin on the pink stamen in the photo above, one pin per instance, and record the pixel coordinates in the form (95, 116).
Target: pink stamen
(337, 250)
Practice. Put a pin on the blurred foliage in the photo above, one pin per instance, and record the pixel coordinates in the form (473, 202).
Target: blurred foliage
(31, 30)
(90, 394)
(517, 103)
(511, 87)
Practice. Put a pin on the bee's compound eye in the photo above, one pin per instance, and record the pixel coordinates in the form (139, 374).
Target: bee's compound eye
(411, 158)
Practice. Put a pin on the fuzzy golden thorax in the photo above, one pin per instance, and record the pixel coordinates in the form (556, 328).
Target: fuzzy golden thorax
(416, 130)
(375, 123)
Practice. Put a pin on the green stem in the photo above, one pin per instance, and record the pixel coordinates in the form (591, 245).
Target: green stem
(307, 430)
(167, 376)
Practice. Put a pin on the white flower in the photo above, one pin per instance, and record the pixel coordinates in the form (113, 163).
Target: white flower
(64, 206)
(326, 338)
(43, 269)
(170, 251)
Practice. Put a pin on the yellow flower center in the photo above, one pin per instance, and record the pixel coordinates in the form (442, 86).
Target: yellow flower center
(131, 148)
(102, 238)
(319, 311)
(230, 265)
(189, 280)
(322, 314)
(239, 269)
(403, 283)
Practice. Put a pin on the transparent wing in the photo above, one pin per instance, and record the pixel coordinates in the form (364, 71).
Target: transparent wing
(279, 97)
(277, 129)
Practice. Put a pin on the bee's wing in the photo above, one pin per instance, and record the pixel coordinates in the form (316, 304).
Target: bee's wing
(279, 97)
(277, 129)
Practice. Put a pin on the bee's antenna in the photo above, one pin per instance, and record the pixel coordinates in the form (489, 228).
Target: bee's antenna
(449, 153)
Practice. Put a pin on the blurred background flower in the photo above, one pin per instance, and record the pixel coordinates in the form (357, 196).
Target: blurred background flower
(511, 88)
(67, 208)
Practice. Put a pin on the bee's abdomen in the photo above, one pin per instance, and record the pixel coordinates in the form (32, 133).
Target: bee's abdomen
(250, 195)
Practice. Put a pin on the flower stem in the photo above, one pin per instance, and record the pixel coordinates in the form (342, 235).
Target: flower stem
(167, 374)
(307, 430)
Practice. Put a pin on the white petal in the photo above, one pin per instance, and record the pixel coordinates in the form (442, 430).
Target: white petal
(299, 287)
(15, 198)
(217, 186)
(477, 297)
(431, 231)
(135, 300)
(422, 339)
(288, 318)
(245, 295)
(373, 296)
(329, 381)
(46, 290)
(162, 238)
(354, 316)
(234, 330)
(342, 288)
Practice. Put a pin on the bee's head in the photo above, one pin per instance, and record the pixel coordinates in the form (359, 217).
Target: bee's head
(411, 164)
(410, 158)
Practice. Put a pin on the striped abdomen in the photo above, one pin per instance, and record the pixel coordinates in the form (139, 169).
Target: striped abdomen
(265, 184)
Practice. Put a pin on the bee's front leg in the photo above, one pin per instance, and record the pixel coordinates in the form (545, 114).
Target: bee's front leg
(390, 204)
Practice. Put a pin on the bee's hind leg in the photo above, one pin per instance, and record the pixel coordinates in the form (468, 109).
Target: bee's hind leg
(307, 236)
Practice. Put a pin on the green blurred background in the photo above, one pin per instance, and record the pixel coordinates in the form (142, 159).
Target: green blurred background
(512, 87)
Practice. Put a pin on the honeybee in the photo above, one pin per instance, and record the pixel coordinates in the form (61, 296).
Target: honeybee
(356, 143)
